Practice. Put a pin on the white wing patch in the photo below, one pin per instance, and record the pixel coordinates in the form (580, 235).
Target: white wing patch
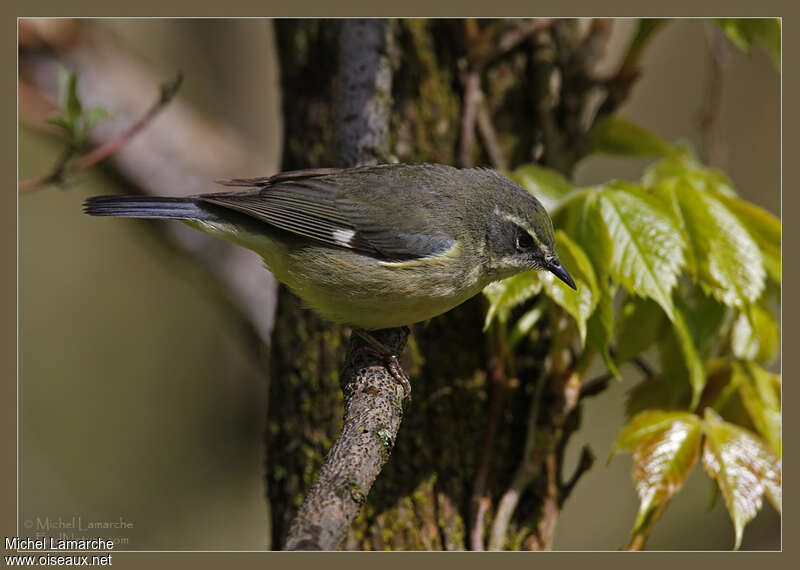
(344, 237)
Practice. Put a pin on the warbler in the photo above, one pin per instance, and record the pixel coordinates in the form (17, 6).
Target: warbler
(372, 247)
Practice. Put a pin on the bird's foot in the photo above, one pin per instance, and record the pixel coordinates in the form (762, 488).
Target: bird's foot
(390, 360)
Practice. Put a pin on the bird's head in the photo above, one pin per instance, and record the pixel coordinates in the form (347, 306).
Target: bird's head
(520, 238)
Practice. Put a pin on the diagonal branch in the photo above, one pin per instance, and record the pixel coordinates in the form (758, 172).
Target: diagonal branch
(179, 154)
(373, 398)
(68, 165)
(373, 409)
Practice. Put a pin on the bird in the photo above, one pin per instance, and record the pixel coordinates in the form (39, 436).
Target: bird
(372, 247)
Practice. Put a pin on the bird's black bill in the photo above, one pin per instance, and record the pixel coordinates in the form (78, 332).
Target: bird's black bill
(558, 270)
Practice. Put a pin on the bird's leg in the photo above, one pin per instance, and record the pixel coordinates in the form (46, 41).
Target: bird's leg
(390, 360)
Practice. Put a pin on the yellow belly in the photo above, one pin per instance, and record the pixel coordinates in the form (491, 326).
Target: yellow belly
(348, 288)
(352, 289)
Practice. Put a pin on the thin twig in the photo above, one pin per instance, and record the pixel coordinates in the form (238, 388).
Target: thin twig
(718, 55)
(167, 93)
(500, 387)
(526, 472)
(56, 175)
(480, 53)
(639, 538)
(550, 504)
(618, 87)
(595, 386)
(489, 136)
(68, 165)
(593, 46)
(585, 463)
(180, 154)
(470, 81)
(516, 36)
(476, 536)
(643, 367)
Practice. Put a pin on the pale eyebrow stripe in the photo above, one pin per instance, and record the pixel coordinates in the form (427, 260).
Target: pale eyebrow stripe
(521, 223)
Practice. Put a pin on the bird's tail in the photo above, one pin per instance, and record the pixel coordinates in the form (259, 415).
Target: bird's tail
(147, 207)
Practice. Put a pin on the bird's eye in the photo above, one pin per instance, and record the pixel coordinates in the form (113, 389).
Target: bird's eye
(524, 241)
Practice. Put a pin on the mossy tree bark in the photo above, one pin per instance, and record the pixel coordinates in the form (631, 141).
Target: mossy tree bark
(477, 463)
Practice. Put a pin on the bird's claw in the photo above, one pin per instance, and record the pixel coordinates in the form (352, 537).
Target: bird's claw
(390, 361)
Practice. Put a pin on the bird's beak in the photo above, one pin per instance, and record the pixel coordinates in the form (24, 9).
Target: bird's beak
(558, 270)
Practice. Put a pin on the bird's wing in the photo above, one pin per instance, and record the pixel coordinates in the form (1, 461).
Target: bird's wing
(333, 210)
(280, 177)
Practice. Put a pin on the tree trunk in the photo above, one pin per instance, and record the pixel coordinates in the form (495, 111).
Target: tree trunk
(477, 462)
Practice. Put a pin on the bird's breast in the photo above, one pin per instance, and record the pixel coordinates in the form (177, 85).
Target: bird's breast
(358, 290)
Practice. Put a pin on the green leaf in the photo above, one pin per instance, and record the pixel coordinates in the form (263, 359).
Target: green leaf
(757, 337)
(581, 303)
(744, 32)
(694, 364)
(640, 323)
(600, 327)
(547, 185)
(647, 424)
(614, 135)
(580, 217)
(744, 468)
(705, 317)
(647, 251)
(506, 294)
(685, 166)
(524, 325)
(721, 256)
(662, 461)
(756, 388)
(62, 122)
(95, 115)
(764, 228)
(722, 393)
(69, 96)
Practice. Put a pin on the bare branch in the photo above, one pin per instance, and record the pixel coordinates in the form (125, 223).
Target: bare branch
(500, 388)
(550, 504)
(643, 367)
(516, 36)
(476, 536)
(373, 398)
(585, 463)
(471, 82)
(68, 165)
(528, 469)
(489, 136)
(179, 154)
(373, 411)
(167, 92)
(713, 146)
(618, 87)
(595, 386)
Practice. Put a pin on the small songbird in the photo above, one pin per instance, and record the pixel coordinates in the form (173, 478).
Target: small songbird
(372, 247)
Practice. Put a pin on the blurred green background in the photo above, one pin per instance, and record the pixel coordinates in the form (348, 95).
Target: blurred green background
(138, 402)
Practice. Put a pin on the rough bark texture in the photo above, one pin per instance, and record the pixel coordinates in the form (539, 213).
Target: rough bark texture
(363, 94)
(372, 414)
(470, 437)
(478, 462)
(373, 403)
